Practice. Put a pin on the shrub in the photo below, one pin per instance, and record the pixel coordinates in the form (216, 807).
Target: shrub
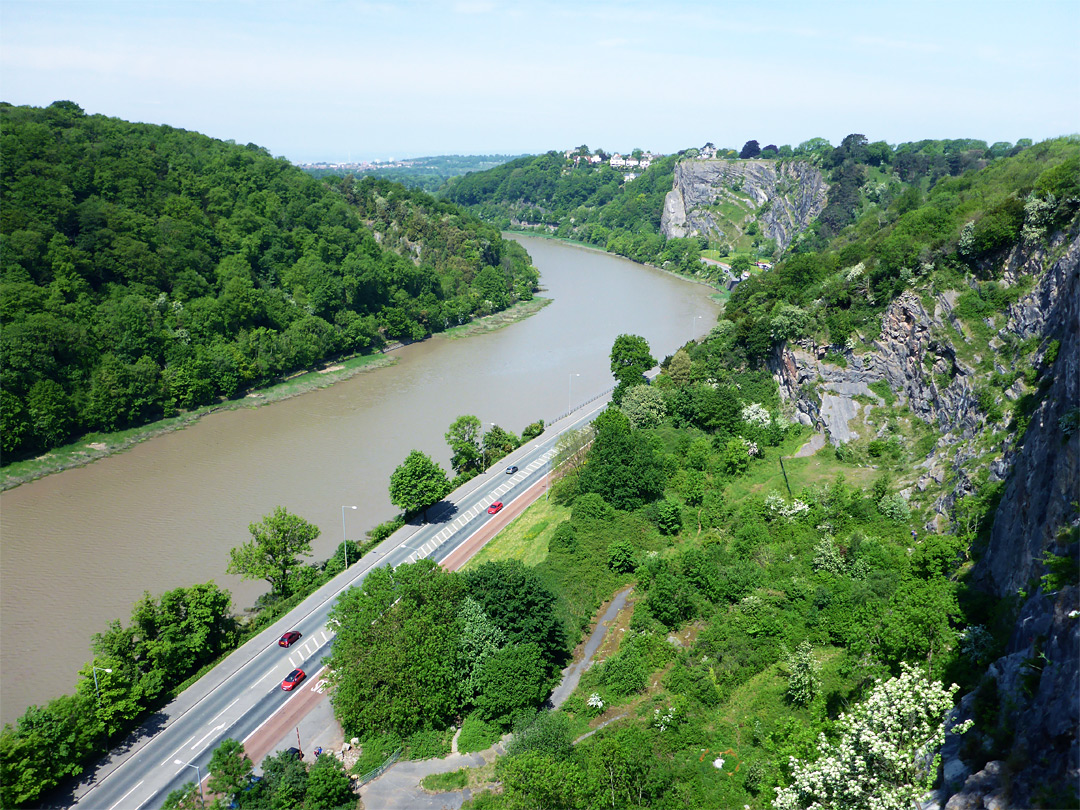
(477, 734)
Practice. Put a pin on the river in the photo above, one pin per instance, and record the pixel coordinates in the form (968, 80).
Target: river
(78, 548)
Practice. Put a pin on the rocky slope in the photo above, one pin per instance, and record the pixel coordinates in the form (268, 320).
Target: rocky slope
(920, 353)
(718, 199)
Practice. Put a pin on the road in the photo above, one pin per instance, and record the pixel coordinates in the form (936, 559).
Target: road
(243, 693)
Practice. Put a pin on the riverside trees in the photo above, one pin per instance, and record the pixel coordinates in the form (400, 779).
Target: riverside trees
(273, 551)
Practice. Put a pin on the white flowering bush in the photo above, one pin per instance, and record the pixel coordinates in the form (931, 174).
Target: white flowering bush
(803, 681)
(894, 507)
(885, 757)
(752, 450)
(777, 507)
(595, 703)
(756, 415)
(827, 557)
(662, 720)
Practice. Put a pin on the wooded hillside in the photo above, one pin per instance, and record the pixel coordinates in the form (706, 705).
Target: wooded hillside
(148, 269)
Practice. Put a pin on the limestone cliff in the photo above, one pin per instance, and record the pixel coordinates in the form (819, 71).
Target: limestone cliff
(718, 199)
(921, 353)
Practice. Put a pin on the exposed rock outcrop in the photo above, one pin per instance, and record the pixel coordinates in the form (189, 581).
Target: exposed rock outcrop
(1038, 680)
(794, 193)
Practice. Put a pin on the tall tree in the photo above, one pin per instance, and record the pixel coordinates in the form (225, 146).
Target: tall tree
(630, 359)
(229, 767)
(464, 440)
(274, 549)
(750, 150)
(417, 483)
(394, 662)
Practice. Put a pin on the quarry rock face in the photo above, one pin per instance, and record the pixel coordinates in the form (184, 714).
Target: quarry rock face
(784, 197)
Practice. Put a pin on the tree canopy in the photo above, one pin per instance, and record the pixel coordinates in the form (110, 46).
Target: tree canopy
(273, 552)
(417, 483)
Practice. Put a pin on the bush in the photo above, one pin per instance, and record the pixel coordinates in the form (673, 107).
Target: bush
(477, 734)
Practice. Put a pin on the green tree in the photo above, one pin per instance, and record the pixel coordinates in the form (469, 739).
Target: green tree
(621, 556)
(512, 678)
(464, 440)
(479, 639)
(394, 663)
(285, 782)
(644, 406)
(630, 359)
(229, 768)
(274, 549)
(518, 603)
(186, 797)
(535, 780)
(498, 443)
(803, 682)
(417, 483)
(328, 785)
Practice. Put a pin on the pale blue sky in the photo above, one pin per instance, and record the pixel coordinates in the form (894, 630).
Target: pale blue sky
(369, 80)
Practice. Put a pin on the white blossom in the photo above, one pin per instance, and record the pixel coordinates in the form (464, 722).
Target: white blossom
(595, 702)
(755, 414)
(885, 757)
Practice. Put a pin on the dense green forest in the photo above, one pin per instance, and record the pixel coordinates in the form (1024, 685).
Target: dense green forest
(592, 203)
(423, 173)
(147, 269)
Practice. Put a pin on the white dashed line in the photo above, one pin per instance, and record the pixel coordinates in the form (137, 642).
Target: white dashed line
(128, 794)
(263, 678)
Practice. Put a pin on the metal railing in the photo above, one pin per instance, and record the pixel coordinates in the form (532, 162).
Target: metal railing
(377, 772)
(580, 404)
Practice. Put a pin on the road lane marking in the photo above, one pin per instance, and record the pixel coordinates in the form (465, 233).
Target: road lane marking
(121, 801)
(222, 712)
(263, 678)
(209, 734)
(174, 753)
(325, 638)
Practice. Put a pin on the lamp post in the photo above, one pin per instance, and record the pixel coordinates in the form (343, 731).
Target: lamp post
(344, 540)
(198, 773)
(569, 388)
(96, 687)
(693, 321)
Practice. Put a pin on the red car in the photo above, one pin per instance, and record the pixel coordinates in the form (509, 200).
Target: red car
(292, 679)
(289, 639)
(495, 507)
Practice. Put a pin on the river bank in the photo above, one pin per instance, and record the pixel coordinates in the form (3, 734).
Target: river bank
(95, 446)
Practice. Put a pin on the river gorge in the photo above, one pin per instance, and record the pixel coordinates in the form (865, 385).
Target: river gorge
(81, 546)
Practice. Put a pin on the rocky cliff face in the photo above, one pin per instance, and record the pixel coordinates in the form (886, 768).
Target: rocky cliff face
(792, 193)
(1038, 680)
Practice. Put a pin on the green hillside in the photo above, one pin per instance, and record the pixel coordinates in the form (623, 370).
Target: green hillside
(147, 269)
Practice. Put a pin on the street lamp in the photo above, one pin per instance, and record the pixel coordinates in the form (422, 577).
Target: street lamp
(198, 773)
(569, 388)
(692, 323)
(344, 540)
(96, 687)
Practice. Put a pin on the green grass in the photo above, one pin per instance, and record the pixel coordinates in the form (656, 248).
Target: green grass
(442, 782)
(526, 538)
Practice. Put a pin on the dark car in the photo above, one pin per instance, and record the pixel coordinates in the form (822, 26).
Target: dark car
(495, 507)
(289, 639)
(511, 469)
(292, 679)
(293, 752)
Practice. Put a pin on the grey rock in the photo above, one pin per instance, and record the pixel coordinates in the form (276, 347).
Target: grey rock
(797, 193)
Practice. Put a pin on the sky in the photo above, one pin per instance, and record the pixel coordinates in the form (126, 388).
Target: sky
(351, 81)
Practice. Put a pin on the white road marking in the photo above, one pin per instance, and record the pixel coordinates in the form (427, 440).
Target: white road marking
(263, 678)
(209, 734)
(325, 638)
(224, 710)
(128, 794)
(173, 754)
(271, 717)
